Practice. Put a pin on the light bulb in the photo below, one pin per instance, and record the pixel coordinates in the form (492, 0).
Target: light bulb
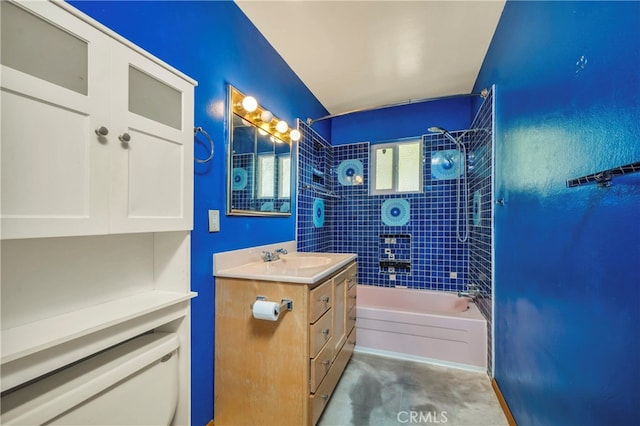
(266, 116)
(249, 103)
(295, 135)
(282, 126)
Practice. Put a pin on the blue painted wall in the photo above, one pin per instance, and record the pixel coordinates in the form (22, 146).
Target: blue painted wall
(400, 122)
(567, 276)
(214, 43)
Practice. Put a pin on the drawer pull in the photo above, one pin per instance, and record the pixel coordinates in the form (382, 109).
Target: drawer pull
(324, 299)
(324, 396)
(325, 331)
(326, 362)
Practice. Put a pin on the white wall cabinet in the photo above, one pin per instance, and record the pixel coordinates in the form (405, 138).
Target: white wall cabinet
(64, 82)
(96, 151)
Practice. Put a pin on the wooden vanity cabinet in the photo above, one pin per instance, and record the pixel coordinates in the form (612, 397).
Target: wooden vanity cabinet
(281, 372)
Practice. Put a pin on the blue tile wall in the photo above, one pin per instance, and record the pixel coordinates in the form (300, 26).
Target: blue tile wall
(437, 260)
(480, 175)
(314, 165)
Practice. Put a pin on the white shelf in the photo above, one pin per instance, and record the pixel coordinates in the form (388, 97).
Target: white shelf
(25, 340)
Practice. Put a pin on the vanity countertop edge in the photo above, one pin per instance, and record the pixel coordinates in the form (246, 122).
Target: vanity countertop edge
(272, 271)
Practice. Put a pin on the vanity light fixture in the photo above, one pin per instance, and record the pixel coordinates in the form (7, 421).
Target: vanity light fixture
(295, 135)
(266, 116)
(282, 126)
(249, 103)
(248, 108)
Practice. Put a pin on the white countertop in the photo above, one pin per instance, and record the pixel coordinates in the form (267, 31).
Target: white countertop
(294, 267)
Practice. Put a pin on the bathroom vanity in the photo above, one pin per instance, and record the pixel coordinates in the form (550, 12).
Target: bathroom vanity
(283, 372)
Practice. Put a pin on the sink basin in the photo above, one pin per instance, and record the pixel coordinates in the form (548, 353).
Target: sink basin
(294, 267)
(302, 262)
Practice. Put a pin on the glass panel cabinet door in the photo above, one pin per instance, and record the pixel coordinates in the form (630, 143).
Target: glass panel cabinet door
(52, 99)
(43, 50)
(154, 162)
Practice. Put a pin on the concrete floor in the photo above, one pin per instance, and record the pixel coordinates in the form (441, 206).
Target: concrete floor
(376, 390)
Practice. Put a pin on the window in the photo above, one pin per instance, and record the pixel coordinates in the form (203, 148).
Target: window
(397, 167)
(266, 178)
(284, 176)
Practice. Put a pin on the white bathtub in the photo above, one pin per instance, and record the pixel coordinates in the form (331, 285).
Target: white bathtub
(422, 325)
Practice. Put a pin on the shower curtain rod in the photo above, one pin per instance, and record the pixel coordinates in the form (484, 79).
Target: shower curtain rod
(310, 121)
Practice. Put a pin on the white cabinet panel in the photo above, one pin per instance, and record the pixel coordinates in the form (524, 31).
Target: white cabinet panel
(53, 163)
(153, 170)
(53, 178)
(60, 178)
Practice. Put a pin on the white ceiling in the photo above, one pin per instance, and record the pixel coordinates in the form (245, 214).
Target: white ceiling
(361, 54)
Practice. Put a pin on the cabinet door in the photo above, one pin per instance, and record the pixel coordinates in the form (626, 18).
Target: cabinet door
(52, 97)
(339, 313)
(152, 188)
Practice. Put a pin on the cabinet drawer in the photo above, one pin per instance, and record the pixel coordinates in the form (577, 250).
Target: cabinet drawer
(319, 400)
(352, 276)
(319, 301)
(351, 297)
(319, 366)
(319, 334)
(351, 320)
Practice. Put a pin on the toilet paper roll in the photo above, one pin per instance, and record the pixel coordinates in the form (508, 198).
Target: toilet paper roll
(265, 310)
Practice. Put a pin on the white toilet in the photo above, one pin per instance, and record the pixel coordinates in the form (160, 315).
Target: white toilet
(135, 383)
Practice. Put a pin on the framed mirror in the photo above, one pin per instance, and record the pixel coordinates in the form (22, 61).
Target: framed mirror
(259, 169)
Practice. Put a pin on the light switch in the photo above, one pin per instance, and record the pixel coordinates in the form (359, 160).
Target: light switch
(214, 220)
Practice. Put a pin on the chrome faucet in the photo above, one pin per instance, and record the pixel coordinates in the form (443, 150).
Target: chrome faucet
(270, 256)
(472, 292)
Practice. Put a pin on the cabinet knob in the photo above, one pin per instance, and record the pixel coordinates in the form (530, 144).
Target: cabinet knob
(325, 331)
(102, 131)
(324, 396)
(125, 138)
(326, 362)
(324, 299)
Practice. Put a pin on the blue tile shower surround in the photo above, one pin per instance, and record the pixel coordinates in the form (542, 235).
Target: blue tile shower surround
(354, 222)
(314, 170)
(480, 153)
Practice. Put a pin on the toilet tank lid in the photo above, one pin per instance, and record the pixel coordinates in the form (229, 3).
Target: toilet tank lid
(45, 399)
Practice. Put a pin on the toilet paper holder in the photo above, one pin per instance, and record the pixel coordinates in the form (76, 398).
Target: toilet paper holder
(284, 303)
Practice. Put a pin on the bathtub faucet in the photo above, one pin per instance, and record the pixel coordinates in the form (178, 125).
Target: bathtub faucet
(473, 292)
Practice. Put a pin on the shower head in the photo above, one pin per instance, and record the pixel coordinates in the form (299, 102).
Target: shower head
(445, 133)
(435, 129)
